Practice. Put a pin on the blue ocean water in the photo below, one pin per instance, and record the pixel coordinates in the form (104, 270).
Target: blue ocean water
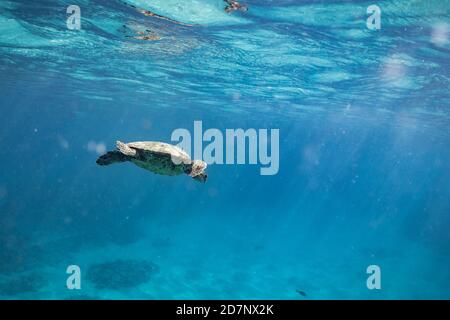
(364, 175)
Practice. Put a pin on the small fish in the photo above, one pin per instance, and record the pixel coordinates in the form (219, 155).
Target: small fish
(302, 293)
(148, 13)
(233, 5)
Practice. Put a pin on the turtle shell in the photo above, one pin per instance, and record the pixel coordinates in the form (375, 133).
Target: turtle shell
(159, 157)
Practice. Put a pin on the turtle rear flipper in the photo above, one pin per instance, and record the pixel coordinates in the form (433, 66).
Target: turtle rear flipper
(126, 150)
(112, 157)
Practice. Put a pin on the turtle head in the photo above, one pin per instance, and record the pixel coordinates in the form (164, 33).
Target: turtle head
(198, 171)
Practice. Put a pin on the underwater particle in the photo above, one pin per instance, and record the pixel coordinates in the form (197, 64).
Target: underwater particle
(302, 293)
(121, 274)
(440, 33)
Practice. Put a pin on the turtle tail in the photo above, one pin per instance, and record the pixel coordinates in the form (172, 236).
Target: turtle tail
(111, 157)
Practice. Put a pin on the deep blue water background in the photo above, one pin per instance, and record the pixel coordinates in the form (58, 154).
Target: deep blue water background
(364, 149)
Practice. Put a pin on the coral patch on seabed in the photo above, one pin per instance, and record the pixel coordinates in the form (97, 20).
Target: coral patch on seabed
(29, 283)
(121, 274)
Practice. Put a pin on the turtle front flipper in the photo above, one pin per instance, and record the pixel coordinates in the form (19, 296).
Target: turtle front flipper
(126, 150)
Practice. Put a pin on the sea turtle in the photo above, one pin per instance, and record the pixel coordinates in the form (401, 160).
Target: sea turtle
(158, 157)
(233, 5)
